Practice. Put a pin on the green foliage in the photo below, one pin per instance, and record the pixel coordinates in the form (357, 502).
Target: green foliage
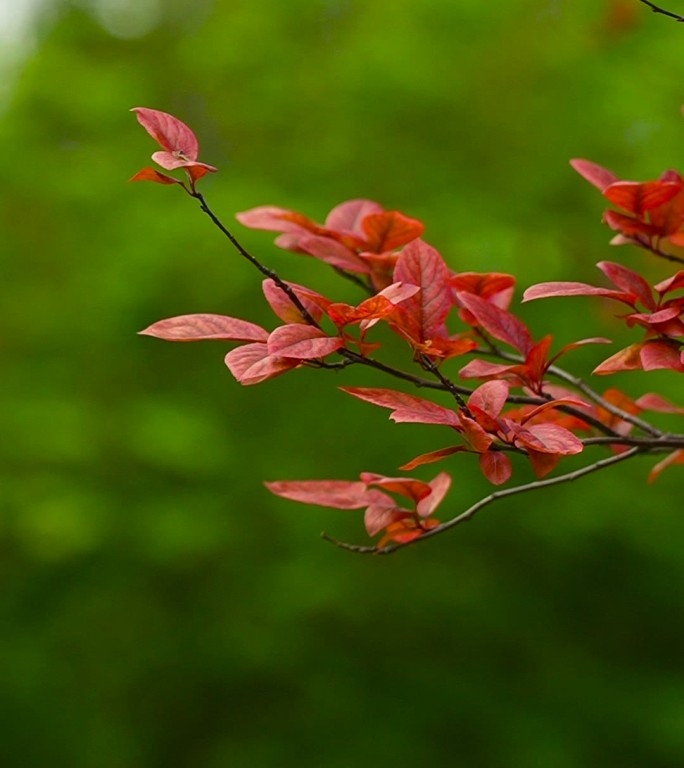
(160, 608)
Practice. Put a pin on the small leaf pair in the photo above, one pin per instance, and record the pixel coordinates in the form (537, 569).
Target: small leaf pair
(180, 149)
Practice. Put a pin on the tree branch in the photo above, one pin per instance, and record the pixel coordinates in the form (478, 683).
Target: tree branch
(485, 502)
(292, 296)
(662, 11)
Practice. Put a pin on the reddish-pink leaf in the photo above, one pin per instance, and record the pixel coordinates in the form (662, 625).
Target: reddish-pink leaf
(168, 131)
(429, 458)
(252, 364)
(389, 230)
(439, 488)
(332, 252)
(475, 432)
(550, 438)
(627, 359)
(405, 486)
(499, 323)
(338, 494)
(654, 402)
(576, 344)
(548, 290)
(348, 216)
(543, 463)
(628, 281)
(483, 369)
(205, 327)
(496, 287)
(274, 219)
(655, 355)
(671, 284)
(676, 457)
(379, 516)
(423, 315)
(576, 401)
(490, 397)
(406, 408)
(637, 197)
(496, 467)
(281, 304)
(595, 174)
(302, 342)
(150, 174)
(628, 225)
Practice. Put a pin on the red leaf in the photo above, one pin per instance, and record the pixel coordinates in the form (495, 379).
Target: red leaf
(534, 412)
(348, 216)
(439, 487)
(595, 174)
(576, 344)
(281, 304)
(496, 287)
(274, 219)
(302, 342)
(483, 369)
(671, 284)
(475, 432)
(405, 486)
(389, 230)
(338, 494)
(379, 516)
(676, 457)
(638, 197)
(550, 438)
(496, 467)
(655, 355)
(423, 315)
(204, 327)
(429, 458)
(406, 408)
(548, 290)
(628, 225)
(543, 463)
(150, 174)
(627, 359)
(332, 252)
(490, 397)
(500, 324)
(373, 309)
(251, 364)
(654, 402)
(169, 132)
(628, 281)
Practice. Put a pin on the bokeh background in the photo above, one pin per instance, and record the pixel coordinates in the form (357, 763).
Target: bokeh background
(157, 606)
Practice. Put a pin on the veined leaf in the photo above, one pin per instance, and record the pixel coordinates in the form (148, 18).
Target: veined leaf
(205, 327)
(406, 408)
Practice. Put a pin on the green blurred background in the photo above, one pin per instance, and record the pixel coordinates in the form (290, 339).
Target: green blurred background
(158, 607)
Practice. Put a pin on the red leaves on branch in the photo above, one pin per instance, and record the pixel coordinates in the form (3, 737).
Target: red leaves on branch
(483, 428)
(663, 317)
(651, 211)
(401, 523)
(417, 296)
(358, 236)
(179, 144)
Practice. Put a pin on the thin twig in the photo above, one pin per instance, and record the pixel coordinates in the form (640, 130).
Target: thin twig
(482, 503)
(662, 11)
(289, 292)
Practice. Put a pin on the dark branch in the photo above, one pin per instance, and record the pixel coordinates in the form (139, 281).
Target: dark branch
(254, 261)
(482, 503)
(662, 11)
